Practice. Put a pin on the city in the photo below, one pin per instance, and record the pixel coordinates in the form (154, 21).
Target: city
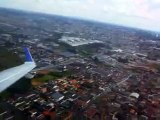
(85, 70)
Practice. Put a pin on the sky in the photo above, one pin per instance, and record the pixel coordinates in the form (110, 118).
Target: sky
(144, 14)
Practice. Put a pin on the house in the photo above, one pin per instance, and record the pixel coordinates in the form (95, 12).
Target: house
(57, 96)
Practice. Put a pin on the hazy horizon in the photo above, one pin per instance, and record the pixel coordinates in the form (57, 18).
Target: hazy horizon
(143, 14)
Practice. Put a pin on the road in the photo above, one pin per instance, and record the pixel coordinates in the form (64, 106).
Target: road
(125, 79)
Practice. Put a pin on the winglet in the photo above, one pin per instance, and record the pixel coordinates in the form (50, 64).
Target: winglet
(28, 55)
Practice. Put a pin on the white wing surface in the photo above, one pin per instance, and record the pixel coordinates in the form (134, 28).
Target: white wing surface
(10, 76)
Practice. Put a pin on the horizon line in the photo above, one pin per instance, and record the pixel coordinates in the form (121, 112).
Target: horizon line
(80, 18)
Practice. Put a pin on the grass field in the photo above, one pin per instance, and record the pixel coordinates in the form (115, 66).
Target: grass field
(51, 76)
(8, 59)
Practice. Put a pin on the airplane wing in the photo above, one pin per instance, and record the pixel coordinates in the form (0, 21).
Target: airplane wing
(11, 75)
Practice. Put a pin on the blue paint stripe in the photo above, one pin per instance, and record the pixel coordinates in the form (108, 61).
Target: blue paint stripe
(28, 55)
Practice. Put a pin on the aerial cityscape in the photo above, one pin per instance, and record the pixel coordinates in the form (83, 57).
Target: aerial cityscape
(85, 70)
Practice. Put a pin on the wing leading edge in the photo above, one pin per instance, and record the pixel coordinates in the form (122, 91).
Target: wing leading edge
(11, 75)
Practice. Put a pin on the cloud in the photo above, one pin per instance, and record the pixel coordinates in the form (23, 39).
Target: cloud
(134, 13)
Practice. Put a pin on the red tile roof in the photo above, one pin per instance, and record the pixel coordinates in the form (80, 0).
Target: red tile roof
(90, 112)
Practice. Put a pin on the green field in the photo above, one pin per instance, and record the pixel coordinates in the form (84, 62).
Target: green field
(8, 59)
(51, 76)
